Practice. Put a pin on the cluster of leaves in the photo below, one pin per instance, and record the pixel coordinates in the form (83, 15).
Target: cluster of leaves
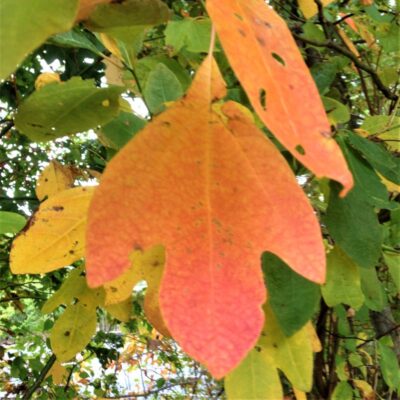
(195, 189)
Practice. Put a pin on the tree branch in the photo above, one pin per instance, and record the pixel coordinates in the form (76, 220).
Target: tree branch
(7, 126)
(40, 379)
(149, 392)
(333, 46)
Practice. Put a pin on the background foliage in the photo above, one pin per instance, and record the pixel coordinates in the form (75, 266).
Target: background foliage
(351, 49)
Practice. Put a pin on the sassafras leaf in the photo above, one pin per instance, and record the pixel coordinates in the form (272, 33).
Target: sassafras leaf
(73, 330)
(65, 108)
(257, 375)
(53, 179)
(207, 184)
(269, 65)
(309, 7)
(148, 266)
(293, 298)
(11, 222)
(55, 236)
(256, 378)
(36, 20)
(343, 283)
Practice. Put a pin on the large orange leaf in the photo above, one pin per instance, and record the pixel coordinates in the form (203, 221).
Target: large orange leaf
(210, 187)
(269, 65)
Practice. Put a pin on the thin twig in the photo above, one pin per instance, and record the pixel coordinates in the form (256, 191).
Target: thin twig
(7, 126)
(333, 46)
(29, 393)
(377, 337)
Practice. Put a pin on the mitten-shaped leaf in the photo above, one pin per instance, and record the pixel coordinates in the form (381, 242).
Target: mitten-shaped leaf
(211, 188)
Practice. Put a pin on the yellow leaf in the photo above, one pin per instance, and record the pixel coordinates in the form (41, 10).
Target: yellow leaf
(55, 236)
(111, 45)
(255, 378)
(365, 388)
(309, 7)
(58, 372)
(350, 45)
(292, 355)
(315, 342)
(300, 395)
(45, 78)
(362, 132)
(73, 331)
(121, 311)
(72, 286)
(54, 179)
(146, 266)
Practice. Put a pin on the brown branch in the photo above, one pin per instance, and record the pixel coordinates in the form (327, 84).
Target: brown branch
(333, 46)
(7, 126)
(381, 335)
(29, 393)
(149, 392)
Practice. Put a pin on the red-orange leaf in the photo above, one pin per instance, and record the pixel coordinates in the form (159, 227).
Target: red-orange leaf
(210, 187)
(269, 65)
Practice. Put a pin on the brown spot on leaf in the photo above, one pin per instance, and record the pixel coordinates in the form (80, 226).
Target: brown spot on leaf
(58, 208)
(261, 41)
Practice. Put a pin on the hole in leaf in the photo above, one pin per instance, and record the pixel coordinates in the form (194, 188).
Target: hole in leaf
(278, 58)
(262, 95)
(300, 149)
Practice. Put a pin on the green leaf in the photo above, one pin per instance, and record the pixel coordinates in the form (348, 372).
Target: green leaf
(343, 391)
(292, 355)
(191, 34)
(120, 130)
(293, 298)
(73, 331)
(128, 20)
(121, 311)
(374, 293)
(146, 65)
(66, 108)
(72, 286)
(386, 127)
(354, 225)
(161, 86)
(389, 366)
(367, 183)
(11, 222)
(324, 74)
(337, 112)
(313, 32)
(377, 156)
(388, 37)
(255, 378)
(26, 24)
(392, 260)
(75, 38)
(343, 281)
